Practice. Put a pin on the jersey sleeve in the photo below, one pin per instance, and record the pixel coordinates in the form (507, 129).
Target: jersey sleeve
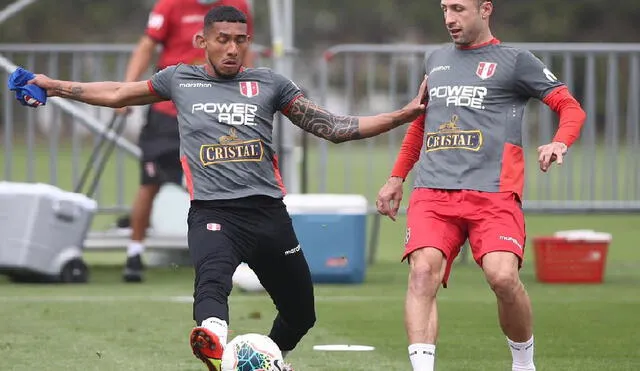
(158, 21)
(410, 148)
(533, 78)
(287, 90)
(161, 82)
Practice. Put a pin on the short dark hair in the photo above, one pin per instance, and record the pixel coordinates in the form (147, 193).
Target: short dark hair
(224, 14)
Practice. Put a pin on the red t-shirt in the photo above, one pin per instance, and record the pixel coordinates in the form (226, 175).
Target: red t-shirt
(173, 24)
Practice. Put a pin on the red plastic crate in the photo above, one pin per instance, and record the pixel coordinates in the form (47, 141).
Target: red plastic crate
(559, 260)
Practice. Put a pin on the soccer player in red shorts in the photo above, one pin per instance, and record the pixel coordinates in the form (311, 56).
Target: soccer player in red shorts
(172, 24)
(470, 174)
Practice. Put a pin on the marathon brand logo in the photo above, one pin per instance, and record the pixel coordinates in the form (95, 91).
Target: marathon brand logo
(229, 113)
(155, 21)
(192, 18)
(512, 240)
(293, 251)
(460, 95)
(231, 149)
(195, 84)
(407, 236)
(450, 136)
(440, 69)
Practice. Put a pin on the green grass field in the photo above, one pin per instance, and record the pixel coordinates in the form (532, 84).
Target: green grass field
(108, 325)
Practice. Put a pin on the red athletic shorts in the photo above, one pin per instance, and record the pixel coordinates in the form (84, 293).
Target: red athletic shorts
(444, 219)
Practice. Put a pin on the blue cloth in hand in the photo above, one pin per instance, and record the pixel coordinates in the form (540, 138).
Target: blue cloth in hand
(27, 95)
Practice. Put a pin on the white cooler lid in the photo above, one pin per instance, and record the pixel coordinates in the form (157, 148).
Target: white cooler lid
(324, 203)
(43, 189)
(584, 235)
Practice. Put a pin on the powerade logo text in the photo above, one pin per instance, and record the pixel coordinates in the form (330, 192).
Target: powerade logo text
(460, 95)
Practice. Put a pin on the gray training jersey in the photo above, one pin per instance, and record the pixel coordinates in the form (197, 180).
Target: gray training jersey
(473, 127)
(226, 125)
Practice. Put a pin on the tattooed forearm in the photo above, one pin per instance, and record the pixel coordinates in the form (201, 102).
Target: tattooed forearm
(104, 93)
(318, 121)
(69, 91)
(77, 91)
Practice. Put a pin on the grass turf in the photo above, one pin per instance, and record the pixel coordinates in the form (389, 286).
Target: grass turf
(108, 325)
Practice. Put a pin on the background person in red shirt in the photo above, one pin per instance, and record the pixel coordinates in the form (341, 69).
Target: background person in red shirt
(172, 24)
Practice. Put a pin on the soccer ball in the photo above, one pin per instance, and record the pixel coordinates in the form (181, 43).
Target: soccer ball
(252, 352)
(246, 280)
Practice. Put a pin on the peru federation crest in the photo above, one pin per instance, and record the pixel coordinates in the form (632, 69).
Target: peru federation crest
(249, 88)
(486, 69)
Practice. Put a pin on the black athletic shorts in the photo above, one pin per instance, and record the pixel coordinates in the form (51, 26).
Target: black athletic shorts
(159, 142)
(163, 169)
(249, 229)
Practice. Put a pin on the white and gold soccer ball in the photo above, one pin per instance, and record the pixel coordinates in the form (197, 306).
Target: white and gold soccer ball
(252, 352)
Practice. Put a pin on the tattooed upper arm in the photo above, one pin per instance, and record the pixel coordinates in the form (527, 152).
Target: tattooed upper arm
(322, 123)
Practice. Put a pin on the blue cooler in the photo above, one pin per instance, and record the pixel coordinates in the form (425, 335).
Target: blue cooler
(332, 233)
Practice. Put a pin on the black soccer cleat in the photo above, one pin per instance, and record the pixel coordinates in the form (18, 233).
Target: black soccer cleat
(123, 222)
(133, 270)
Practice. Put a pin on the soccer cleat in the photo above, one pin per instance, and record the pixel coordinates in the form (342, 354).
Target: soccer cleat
(133, 269)
(123, 222)
(207, 347)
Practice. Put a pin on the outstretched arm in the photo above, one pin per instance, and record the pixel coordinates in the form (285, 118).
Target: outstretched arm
(107, 93)
(410, 149)
(335, 128)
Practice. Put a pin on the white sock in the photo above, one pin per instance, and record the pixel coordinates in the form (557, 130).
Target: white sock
(522, 354)
(422, 356)
(135, 248)
(218, 327)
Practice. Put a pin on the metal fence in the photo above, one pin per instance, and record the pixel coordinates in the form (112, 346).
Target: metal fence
(601, 172)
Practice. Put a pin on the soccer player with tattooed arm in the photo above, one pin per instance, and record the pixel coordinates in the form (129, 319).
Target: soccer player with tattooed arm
(173, 25)
(467, 150)
(237, 213)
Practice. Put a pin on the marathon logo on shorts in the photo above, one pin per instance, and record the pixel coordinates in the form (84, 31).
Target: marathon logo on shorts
(249, 88)
(407, 236)
(512, 240)
(293, 251)
(231, 149)
(450, 136)
(486, 69)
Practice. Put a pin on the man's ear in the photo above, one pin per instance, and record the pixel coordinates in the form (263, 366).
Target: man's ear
(199, 41)
(486, 9)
